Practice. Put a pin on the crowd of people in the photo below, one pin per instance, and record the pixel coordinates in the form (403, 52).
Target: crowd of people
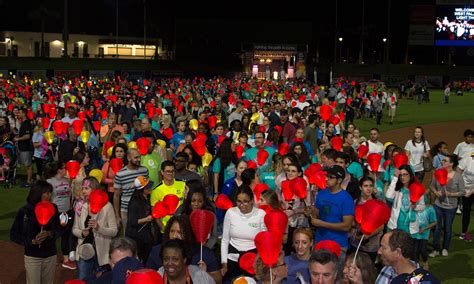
(205, 141)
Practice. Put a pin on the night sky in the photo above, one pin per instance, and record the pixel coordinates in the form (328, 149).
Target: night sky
(98, 17)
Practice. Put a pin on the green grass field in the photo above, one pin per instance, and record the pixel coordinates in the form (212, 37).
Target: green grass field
(410, 113)
(458, 267)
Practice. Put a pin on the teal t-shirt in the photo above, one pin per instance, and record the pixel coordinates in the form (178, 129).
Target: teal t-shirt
(229, 172)
(251, 154)
(268, 178)
(355, 169)
(406, 215)
(425, 218)
(379, 185)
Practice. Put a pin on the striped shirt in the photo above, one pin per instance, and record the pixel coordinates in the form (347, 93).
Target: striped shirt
(125, 180)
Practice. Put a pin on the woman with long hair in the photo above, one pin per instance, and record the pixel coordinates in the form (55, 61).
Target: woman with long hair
(224, 165)
(403, 214)
(93, 229)
(299, 149)
(118, 151)
(363, 271)
(418, 149)
(273, 172)
(446, 204)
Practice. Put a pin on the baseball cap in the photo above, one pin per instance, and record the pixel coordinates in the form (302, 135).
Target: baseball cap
(142, 182)
(283, 112)
(336, 171)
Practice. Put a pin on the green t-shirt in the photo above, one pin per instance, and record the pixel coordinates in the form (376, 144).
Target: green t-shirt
(153, 163)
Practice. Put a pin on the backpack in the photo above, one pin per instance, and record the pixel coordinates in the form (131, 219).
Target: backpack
(18, 229)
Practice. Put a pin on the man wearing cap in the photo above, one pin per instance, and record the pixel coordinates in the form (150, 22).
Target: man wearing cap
(71, 114)
(333, 212)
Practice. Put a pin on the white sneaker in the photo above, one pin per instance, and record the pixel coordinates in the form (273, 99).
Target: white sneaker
(434, 253)
(72, 255)
(444, 252)
(458, 211)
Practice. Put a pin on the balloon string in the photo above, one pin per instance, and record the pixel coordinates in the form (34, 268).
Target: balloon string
(447, 198)
(271, 275)
(142, 227)
(357, 250)
(39, 246)
(201, 251)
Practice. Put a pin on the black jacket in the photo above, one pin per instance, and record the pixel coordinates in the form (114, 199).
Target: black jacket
(138, 210)
(33, 228)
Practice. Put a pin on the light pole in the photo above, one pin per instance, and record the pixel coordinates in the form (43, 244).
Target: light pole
(384, 58)
(116, 27)
(340, 49)
(144, 29)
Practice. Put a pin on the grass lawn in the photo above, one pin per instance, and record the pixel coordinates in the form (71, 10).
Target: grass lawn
(410, 113)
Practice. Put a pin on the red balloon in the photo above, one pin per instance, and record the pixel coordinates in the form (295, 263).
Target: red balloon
(330, 246)
(107, 145)
(400, 159)
(320, 179)
(298, 186)
(334, 120)
(77, 126)
(46, 108)
(375, 213)
(81, 115)
(267, 208)
(288, 194)
(441, 176)
(75, 281)
(58, 127)
(358, 211)
(72, 168)
(116, 164)
(168, 133)
(279, 129)
(30, 114)
(417, 190)
(212, 121)
(160, 210)
(283, 149)
(97, 200)
(171, 201)
(311, 171)
(239, 151)
(251, 164)
(223, 202)
(151, 112)
(386, 163)
(276, 222)
(144, 276)
(97, 125)
(362, 151)
(143, 143)
(199, 145)
(268, 247)
(44, 210)
(336, 143)
(247, 262)
(66, 126)
(201, 223)
(373, 160)
(258, 189)
(45, 122)
(103, 114)
(325, 112)
(262, 156)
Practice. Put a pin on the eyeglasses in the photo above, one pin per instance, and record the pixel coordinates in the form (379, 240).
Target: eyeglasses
(244, 203)
(405, 174)
(331, 177)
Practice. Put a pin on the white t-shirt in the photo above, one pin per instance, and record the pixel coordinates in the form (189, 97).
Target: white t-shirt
(416, 154)
(464, 150)
(467, 165)
(376, 147)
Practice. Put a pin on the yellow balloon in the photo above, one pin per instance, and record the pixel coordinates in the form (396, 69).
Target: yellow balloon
(193, 124)
(237, 136)
(255, 117)
(206, 159)
(85, 135)
(109, 152)
(49, 136)
(132, 145)
(162, 143)
(72, 98)
(97, 174)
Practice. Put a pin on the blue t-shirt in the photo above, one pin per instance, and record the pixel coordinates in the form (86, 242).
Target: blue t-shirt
(177, 139)
(295, 265)
(155, 262)
(425, 217)
(332, 209)
(355, 169)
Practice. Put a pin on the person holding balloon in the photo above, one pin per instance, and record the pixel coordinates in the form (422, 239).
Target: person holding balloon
(119, 153)
(83, 159)
(224, 165)
(278, 273)
(241, 224)
(362, 271)
(40, 232)
(94, 227)
(447, 184)
(417, 150)
(297, 262)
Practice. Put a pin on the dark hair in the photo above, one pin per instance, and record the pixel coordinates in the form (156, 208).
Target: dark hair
(196, 159)
(402, 240)
(323, 257)
(184, 226)
(399, 184)
(468, 132)
(454, 159)
(128, 126)
(388, 150)
(303, 158)
(273, 136)
(178, 245)
(123, 243)
(225, 153)
(199, 189)
(125, 149)
(292, 157)
(244, 189)
(330, 154)
(182, 155)
(51, 168)
(422, 138)
(167, 163)
(435, 150)
(247, 176)
(361, 182)
(271, 198)
(375, 129)
(37, 190)
(343, 156)
(349, 150)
